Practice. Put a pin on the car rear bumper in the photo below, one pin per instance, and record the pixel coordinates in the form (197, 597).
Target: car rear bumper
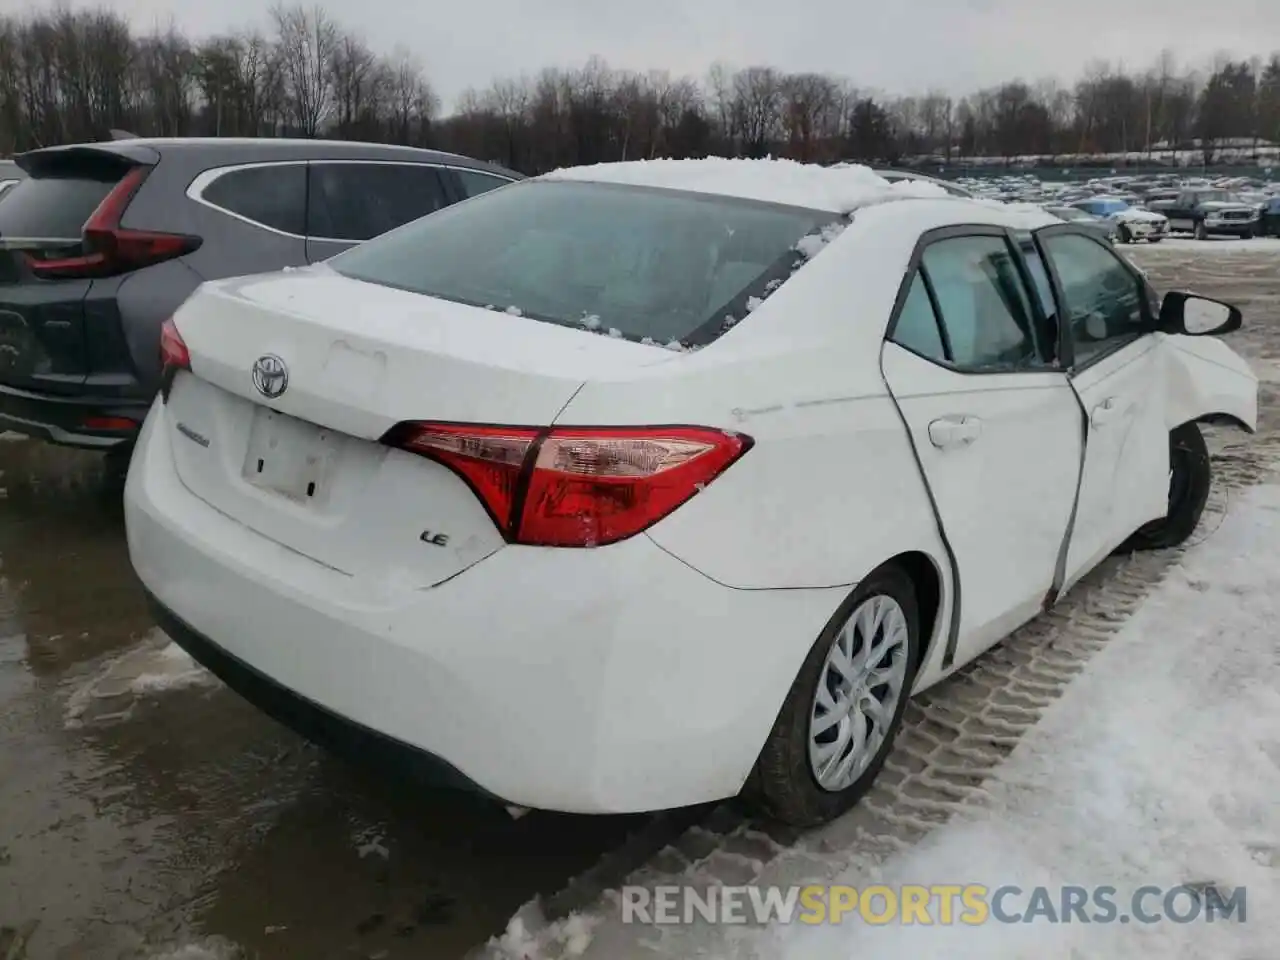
(70, 420)
(611, 680)
(324, 727)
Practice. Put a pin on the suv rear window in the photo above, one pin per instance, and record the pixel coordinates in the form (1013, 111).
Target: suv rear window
(273, 196)
(648, 263)
(51, 207)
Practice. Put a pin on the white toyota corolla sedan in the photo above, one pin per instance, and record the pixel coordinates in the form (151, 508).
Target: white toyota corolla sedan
(644, 484)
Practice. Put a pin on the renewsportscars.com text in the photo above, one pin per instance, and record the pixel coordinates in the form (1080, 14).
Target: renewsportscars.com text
(942, 904)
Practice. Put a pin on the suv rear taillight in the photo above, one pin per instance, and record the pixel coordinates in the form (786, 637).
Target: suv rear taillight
(107, 248)
(575, 486)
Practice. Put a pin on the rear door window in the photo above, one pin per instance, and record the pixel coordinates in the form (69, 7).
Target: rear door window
(917, 327)
(52, 208)
(986, 312)
(359, 201)
(271, 195)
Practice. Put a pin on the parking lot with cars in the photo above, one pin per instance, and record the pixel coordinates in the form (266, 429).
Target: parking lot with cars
(1137, 208)
(157, 813)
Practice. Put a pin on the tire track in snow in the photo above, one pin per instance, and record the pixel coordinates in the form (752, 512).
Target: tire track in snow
(953, 737)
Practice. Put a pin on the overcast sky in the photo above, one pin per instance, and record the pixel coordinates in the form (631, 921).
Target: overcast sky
(902, 46)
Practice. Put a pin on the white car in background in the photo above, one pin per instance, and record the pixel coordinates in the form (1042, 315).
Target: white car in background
(638, 485)
(1131, 223)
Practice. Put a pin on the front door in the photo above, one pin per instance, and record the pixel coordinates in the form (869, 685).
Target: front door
(995, 425)
(1115, 370)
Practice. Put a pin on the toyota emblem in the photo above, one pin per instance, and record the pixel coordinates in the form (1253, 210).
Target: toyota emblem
(270, 376)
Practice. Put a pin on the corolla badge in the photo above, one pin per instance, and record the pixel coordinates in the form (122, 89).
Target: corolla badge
(270, 376)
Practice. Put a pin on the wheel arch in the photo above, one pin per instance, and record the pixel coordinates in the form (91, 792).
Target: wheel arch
(1221, 419)
(926, 575)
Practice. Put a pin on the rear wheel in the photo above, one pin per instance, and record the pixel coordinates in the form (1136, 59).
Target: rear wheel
(839, 720)
(1190, 476)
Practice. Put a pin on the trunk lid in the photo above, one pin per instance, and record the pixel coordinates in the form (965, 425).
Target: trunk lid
(43, 341)
(305, 467)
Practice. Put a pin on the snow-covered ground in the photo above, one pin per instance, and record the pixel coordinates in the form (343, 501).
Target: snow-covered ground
(1159, 765)
(1213, 246)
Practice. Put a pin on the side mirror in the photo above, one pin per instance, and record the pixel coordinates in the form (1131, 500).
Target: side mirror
(1198, 316)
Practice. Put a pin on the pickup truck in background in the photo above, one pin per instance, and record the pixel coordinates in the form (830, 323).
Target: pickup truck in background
(1209, 212)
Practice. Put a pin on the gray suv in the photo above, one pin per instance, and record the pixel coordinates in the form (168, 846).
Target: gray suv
(101, 242)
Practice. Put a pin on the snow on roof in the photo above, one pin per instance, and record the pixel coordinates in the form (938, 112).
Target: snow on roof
(1019, 215)
(839, 189)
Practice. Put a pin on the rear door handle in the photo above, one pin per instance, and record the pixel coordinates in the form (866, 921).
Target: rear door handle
(948, 433)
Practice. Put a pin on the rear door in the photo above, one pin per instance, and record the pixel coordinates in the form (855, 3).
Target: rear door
(349, 201)
(995, 426)
(42, 334)
(1116, 372)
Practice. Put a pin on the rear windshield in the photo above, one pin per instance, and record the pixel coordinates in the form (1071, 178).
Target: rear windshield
(636, 262)
(51, 208)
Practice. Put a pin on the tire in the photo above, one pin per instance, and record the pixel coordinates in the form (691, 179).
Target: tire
(784, 784)
(1154, 239)
(1190, 477)
(1247, 235)
(1201, 232)
(1125, 235)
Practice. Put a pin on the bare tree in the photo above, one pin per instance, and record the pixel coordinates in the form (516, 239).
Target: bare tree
(307, 43)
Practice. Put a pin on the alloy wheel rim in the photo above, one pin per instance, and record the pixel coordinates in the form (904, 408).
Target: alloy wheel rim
(859, 688)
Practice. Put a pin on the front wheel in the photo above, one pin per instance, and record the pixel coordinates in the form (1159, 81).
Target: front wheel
(1125, 235)
(1190, 476)
(844, 709)
(1201, 232)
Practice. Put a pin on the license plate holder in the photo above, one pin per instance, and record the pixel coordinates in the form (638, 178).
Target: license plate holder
(289, 457)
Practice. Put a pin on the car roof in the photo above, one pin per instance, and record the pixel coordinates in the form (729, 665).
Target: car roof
(841, 188)
(223, 150)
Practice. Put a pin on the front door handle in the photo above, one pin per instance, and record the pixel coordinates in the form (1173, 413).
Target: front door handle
(1105, 412)
(948, 433)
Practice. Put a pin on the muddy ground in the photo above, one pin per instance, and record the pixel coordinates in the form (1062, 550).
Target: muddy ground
(147, 812)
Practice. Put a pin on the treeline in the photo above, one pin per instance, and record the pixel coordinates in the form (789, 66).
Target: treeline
(75, 75)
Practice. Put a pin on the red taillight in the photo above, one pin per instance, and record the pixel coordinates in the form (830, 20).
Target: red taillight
(174, 354)
(108, 248)
(579, 486)
(109, 423)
